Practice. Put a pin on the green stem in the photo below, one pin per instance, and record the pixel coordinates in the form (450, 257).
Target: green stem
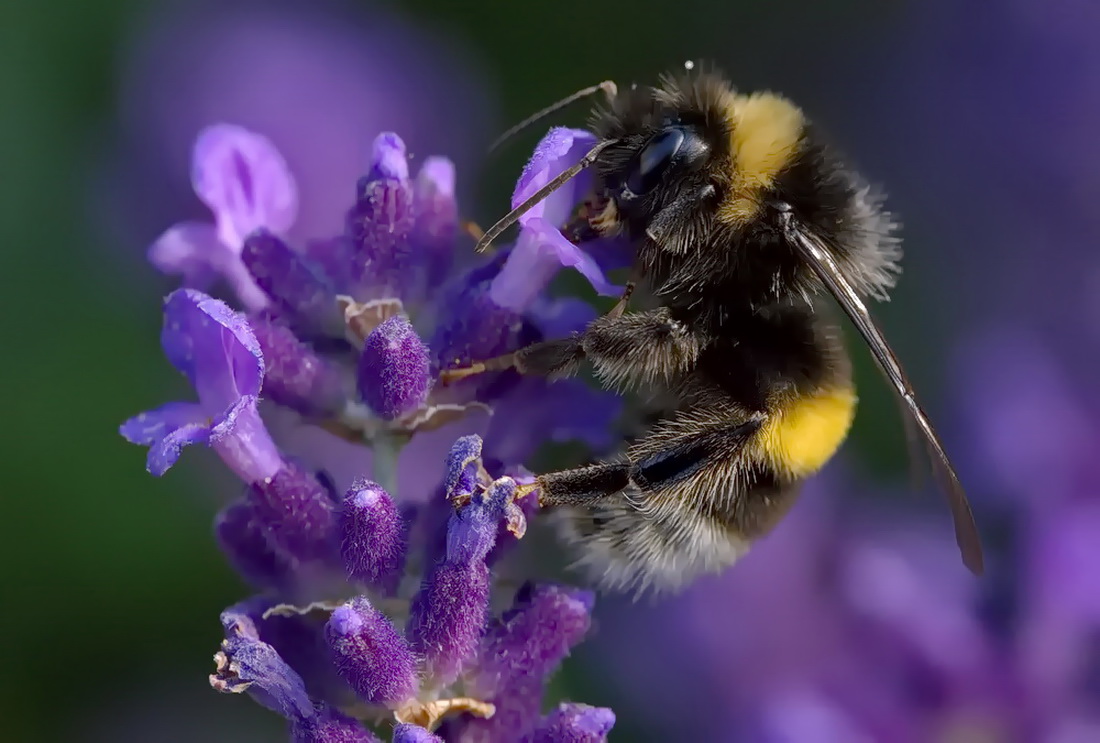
(387, 448)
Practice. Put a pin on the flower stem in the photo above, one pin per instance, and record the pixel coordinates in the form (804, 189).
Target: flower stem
(387, 447)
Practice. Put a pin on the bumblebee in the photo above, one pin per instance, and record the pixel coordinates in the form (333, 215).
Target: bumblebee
(743, 222)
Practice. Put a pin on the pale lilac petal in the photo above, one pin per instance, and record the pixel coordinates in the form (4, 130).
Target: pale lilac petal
(540, 252)
(213, 346)
(152, 425)
(245, 181)
(558, 150)
(192, 250)
(242, 441)
(165, 452)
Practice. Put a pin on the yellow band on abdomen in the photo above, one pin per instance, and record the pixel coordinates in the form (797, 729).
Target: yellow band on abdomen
(804, 433)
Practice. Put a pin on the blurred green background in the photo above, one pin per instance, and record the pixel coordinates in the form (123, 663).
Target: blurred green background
(111, 581)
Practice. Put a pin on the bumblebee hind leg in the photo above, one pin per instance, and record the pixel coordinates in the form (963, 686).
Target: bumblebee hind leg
(662, 517)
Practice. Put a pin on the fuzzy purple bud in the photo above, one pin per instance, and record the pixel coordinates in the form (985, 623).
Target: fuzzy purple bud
(330, 726)
(373, 536)
(574, 723)
(296, 376)
(244, 543)
(447, 618)
(379, 223)
(371, 655)
(295, 287)
(408, 733)
(394, 375)
(296, 513)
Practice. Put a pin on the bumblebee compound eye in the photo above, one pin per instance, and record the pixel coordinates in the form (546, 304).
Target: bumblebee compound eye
(654, 159)
(674, 145)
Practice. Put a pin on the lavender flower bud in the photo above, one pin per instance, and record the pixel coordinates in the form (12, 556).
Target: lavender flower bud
(293, 285)
(373, 544)
(370, 654)
(447, 618)
(296, 376)
(330, 726)
(575, 723)
(408, 733)
(296, 513)
(379, 223)
(246, 546)
(394, 369)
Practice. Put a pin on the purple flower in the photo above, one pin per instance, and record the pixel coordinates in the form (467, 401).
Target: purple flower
(246, 184)
(349, 620)
(541, 248)
(216, 350)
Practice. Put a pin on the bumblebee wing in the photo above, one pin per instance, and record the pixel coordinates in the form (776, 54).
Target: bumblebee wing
(820, 260)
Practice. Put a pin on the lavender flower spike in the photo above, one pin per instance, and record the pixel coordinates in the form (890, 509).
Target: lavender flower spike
(330, 726)
(370, 654)
(215, 348)
(373, 545)
(394, 374)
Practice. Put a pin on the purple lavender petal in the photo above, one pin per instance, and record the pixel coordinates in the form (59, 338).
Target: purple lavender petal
(574, 723)
(371, 655)
(248, 550)
(518, 653)
(380, 222)
(213, 346)
(433, 235)
(152, 425)
(247, 663)
(296, 376)
(294, 286)
(462, 466)
(241, 440)
(394, 369)
(331, 726)
(244, 180)
(374, 538)
(561, 148)
(447, 618)
(166, 452)
(296, 513)
(540, 252)
(191, 249)
(409, 733)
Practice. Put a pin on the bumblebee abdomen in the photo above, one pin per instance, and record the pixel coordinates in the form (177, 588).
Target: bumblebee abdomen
(804, 431)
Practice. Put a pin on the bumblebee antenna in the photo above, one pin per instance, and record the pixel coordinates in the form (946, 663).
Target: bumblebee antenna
(607, 86)
(510, 218)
